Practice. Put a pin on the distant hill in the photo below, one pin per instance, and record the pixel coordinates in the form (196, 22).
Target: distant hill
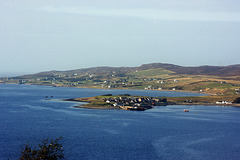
(94, 70)
(155, 76)
(221, 71)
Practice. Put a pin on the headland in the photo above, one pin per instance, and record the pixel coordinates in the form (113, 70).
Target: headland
(141, 103)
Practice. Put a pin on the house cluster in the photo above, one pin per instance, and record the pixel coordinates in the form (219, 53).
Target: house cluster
(117, 83)
(149, 87)
(136, 101)
(223, 102)
(149, 79)
(161, 82)
(153, 87)
(108, 84)
(22, 81)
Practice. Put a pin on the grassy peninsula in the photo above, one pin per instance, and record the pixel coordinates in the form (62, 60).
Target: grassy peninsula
(126, 102)
(129, 102)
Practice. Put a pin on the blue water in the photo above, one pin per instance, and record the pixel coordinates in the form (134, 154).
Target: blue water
(166, 132)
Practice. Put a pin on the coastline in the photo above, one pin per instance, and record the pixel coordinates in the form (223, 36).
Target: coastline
(87, 106)
(209, 104)
(186, 104)
(89, 100)
(100, 107)
(104, 107)
(205, 93)
(197, 92)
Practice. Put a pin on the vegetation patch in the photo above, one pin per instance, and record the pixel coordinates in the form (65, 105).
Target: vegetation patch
(151, 72)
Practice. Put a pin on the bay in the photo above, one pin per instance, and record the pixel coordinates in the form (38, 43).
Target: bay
(165, 132)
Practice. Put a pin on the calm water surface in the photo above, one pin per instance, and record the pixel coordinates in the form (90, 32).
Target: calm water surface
(166, 132)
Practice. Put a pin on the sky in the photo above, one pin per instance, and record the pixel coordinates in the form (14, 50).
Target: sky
(44, 35)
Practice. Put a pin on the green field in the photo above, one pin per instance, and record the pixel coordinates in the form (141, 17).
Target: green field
(159, 72)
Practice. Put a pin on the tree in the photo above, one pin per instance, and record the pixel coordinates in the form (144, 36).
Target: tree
(48, 150)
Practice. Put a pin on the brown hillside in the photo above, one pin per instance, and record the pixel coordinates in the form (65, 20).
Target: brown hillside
(222, 71)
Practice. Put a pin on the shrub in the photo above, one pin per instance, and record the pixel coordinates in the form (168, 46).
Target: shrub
(47, 150)
(237, 100)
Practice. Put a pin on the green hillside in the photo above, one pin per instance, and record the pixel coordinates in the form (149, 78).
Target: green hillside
(151, 73)
(220, 80)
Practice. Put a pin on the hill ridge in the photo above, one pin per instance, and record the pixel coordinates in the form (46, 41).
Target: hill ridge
(222, 71)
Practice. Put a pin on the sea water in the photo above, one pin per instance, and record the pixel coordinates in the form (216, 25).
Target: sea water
(29, 114)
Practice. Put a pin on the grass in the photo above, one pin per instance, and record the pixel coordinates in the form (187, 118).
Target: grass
(98, 103)
(151, 73)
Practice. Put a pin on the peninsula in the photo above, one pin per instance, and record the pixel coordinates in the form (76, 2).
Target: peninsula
(141, 103)
(125, 102)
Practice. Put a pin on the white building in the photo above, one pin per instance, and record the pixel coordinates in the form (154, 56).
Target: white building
(223, 102)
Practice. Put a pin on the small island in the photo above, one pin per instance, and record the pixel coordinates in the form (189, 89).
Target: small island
(142, 103)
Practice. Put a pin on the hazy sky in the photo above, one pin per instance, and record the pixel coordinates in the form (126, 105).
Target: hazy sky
(42, 35)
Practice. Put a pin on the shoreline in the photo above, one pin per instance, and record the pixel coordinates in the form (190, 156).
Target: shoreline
(88, 102)
(87, 106)
(103, 107)
(208, 104)
(197, 92)
(100, 107)
(193, 104)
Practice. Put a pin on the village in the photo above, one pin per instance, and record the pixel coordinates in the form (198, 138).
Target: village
(135, 103)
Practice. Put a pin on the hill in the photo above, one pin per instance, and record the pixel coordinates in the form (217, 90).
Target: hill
(221, 71)
(160, 76)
